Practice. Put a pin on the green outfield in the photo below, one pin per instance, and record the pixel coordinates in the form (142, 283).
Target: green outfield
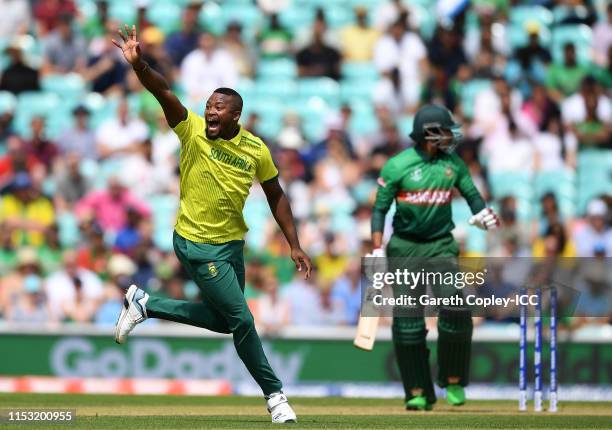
(173, 412)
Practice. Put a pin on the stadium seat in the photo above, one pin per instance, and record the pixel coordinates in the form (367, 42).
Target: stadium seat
(594, 176)
(275, 89)
(404, 126)
(122, 11)
(163, 209)
(360, 71)
(294, 18)
(8, 102)
(469, 91)
(338, 15)
(522, 15)
(70, 86)
(326, 88)
(579, 35)
(282, 68)
(354, 90)
(165, 15)
(518, 37)
(562, 184)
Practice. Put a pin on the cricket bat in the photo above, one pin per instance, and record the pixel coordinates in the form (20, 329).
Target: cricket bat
(366, 333)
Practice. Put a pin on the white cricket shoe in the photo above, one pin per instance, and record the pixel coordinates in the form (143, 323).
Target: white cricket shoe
(279, 409)
(134, 312)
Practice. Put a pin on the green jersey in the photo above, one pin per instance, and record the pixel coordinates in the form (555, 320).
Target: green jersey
(422, 188)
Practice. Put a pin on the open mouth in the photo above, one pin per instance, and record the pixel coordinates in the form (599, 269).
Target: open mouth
(213, 125)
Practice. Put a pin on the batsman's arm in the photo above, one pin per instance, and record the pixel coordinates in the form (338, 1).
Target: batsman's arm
(281, 210)
(155, 83)
(385, 194)
(468, 190)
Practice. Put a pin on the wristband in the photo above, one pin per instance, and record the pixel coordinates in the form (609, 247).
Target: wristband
(145, 67)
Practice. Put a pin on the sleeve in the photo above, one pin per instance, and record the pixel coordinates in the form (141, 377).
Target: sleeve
(388, 184)
(467, 188)
(189, 127)
(266, 169)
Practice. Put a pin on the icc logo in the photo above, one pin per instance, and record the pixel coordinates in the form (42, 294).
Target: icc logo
(416, 174)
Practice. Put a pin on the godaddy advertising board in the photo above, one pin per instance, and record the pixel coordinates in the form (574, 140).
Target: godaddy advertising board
(296, 360)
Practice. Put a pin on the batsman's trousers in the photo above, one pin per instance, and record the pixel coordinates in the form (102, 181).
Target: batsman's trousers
(218, 271)
(409, 332)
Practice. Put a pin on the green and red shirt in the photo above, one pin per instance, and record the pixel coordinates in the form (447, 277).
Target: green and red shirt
(422, 187)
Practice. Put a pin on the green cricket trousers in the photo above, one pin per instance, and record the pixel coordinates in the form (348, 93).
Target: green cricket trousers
(218, 271)
(409, 332)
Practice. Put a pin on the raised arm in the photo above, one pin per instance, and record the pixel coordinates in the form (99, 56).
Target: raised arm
(155, 83)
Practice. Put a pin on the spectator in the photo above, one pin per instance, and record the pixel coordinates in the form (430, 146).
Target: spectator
(358, 41)
(540, 109)
(165, 151)
(105, 69)
(554, 150)
(533, 58)
(347, 290)
(275, 40)
(388, 13)
(15, 18)
(318, 59)
(332, 262)
(95, 25)
(129, 236)
(602, 38)
(18, 77)
(16, 160)
(110, 206)
(596, 233)
(49, 12)
(207, 68)
(555, 243)
(70, 185)
(154, 54)
(594, 132)
(564, 79)
(50, 253)
(402, 50)
(120, 135)
(446, 49)
(490, 36)
(26, 213)
(74, 293)
(12, 285)
(93, 253)
(184, 41)
(437, 89)
(39, 147)
(64, 49)
(306, 36)
(80, 139)
(270, 310)
(30, 306)
(574, 109)
(240, 52)
(604, 73)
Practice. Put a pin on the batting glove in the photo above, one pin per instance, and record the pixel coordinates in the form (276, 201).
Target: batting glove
(375, 262)
(486, 219)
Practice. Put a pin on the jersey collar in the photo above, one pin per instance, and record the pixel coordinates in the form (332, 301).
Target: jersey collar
(236, 139)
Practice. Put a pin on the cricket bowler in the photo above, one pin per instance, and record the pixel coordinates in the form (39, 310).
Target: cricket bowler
(421, 180)
(219, 160)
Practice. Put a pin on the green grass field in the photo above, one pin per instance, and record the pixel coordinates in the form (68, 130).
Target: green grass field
(173, 412)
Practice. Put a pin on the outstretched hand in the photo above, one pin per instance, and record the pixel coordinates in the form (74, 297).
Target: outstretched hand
(300, 259)
(130, 46)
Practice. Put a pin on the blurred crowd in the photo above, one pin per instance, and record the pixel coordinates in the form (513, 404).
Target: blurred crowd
(89, 172)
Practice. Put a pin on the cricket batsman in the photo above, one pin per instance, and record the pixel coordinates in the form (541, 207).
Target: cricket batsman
(421, 180)
(219, 160)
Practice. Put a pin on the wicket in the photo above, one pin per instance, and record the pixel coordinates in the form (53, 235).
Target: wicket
(537, 359)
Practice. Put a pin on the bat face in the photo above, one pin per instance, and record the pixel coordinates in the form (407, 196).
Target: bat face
(366, 333)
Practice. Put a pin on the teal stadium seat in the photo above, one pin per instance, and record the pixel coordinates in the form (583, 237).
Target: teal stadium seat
(123, 11)
(338, 15)
(8, 102)
(518, 185)
(31, 104)
(518, 37)
(294, 18)
(163, 208)
(579, 35)
(562, 184)
(594, 176)
(216, 17)
(353, 90)
(325, 88)
(282, 68)
(521, 15)
(405, 125)
(360, 71)
(70, 86)
(469, 91)
(165, 15)
(276, 89)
